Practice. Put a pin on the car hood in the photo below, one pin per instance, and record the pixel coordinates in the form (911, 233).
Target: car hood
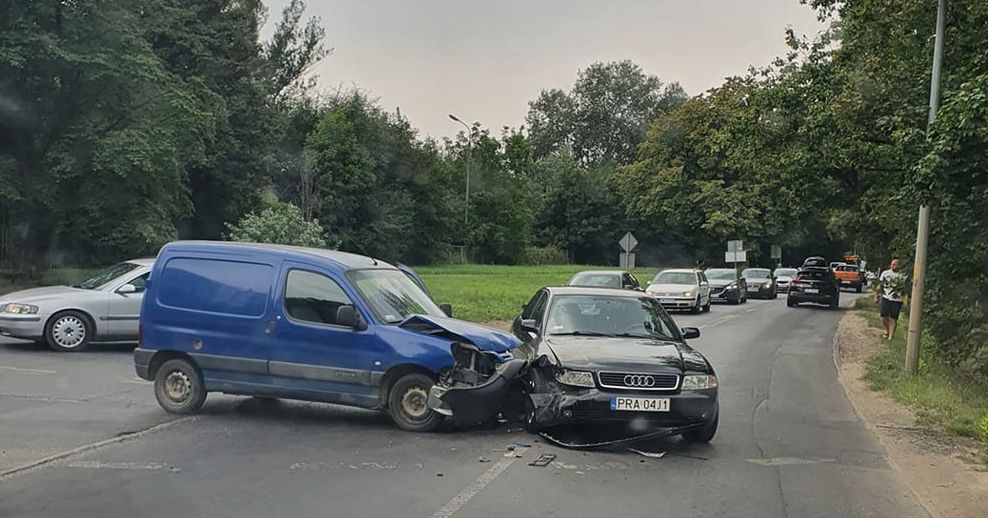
(484, 338)
(720, 282)
(615, 354)
(37, 295)
(783, 278)
(670, 288)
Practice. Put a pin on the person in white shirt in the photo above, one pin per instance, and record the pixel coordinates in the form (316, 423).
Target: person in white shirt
(891, 301)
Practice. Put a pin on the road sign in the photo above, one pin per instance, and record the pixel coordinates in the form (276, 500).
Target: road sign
(627, 260)
(776, 252)
(628, 242)
(735, 246)
(735, 257)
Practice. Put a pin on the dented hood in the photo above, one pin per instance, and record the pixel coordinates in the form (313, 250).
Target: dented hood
(615, 354)
(483, 337)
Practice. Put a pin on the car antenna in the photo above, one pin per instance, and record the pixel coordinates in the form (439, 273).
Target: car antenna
(365, 254)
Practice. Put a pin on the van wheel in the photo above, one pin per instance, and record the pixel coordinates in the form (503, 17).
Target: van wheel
(178, 387)
(68, 331)
(407, 404)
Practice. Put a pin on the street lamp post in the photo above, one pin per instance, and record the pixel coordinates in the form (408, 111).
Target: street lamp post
(466, 198)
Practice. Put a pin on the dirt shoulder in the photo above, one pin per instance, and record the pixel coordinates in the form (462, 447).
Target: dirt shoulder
(936, 467)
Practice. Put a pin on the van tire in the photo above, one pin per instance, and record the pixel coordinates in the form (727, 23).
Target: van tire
(407, 404)
(178, 387)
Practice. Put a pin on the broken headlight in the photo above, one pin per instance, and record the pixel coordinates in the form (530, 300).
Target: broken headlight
(575, 378)
(699, 381)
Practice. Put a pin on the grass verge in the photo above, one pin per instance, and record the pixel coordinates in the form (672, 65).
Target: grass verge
(483, 293)
(940, 395)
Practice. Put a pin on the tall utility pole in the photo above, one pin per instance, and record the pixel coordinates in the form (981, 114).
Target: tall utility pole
(466, 205)
(923, 230)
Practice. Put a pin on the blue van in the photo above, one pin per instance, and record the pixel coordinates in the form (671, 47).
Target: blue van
(299, 323)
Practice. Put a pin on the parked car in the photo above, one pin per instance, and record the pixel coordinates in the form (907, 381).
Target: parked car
(814, 284)
(593, 357)
(760, 281)
(103, 308)
(681, 289)
(297, 323)
(851, 276)
(727, 286)
(782, 278)
(605, 279)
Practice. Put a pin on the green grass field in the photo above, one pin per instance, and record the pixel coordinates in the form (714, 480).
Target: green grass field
(940, 395)
(483, 293)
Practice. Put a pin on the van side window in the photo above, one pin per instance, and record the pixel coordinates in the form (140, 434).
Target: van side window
(312, 297)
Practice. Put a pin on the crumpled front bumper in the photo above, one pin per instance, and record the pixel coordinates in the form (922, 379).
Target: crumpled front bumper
(687, 409)
(470, 405)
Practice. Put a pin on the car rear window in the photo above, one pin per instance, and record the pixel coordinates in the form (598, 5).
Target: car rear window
(215, 286)
(812, 275)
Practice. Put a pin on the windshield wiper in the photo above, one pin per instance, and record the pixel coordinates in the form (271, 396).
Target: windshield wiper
(630, 335)
(580, 333)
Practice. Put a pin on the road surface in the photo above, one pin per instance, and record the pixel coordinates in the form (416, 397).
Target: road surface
(789, 445)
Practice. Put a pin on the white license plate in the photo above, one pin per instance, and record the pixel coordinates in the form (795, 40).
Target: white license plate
(752, 288)
(667, 301)
(811, 290)
(639, 404)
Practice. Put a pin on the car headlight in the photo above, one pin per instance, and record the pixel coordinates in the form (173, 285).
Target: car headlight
(768, 284)
(732, 286)
(688, 293)
(575, 378)
(20, 309)
(699, 381)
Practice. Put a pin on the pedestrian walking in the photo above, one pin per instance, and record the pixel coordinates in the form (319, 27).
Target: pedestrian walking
(890, 302)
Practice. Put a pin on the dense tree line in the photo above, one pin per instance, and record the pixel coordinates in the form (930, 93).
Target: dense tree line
(124, 125)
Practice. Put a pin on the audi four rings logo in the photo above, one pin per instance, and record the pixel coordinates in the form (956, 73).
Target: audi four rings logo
(639, 380)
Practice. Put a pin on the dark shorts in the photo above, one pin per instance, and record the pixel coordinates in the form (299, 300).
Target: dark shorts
(889, 308)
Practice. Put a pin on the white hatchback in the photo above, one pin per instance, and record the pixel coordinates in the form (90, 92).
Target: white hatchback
(681, 289)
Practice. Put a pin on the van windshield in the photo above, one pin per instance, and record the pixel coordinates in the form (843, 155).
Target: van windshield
(392, 296)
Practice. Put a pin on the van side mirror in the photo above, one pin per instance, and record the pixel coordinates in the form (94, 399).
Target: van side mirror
(529, 325)
(347, 316)
(446, 309)
(127, 288)
(690, 332)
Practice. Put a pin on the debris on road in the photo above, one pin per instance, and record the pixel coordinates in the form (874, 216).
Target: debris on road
(543, 460)
(651, 455)
(521, 444)
(483, 459)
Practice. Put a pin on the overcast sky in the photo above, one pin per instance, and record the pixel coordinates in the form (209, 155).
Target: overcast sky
(485, 60)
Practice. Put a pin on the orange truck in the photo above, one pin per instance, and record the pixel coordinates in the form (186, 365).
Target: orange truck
(850, 273)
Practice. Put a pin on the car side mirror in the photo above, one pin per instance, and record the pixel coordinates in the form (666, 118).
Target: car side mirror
(529, 325)
(446, 309)
(347, 316)
(648, 283)
(127, 288)
(690, 332)
(704, 284)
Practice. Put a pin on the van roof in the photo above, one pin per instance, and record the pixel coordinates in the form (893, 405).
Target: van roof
(345, 260)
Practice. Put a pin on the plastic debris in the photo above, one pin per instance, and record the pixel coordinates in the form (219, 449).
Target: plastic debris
(649, 454)
(521, 444)
(543, 460)
(483, 459)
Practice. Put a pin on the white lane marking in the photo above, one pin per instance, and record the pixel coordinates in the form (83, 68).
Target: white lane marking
(719, 321)
(95, 464)
(39, 372)
(471, 491)
(48, 399)
(41, 463)
(789, 461)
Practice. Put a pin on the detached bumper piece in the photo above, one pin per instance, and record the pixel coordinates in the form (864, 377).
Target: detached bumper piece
(470, 405)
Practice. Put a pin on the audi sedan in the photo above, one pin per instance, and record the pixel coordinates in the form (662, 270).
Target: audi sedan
(589, 356)
(103, 308)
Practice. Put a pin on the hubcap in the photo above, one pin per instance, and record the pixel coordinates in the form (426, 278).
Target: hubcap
(68, 331)
(413, 403)
(178, 386)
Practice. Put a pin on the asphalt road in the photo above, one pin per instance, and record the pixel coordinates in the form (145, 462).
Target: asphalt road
(789, 445)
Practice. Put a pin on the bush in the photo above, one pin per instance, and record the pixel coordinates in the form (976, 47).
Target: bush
(280, 224)
(539, 255)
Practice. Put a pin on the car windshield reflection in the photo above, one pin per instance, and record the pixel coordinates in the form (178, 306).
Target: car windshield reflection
(601, 315)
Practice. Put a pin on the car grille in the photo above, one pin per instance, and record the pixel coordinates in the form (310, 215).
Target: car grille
(716, 291)
(638, 381)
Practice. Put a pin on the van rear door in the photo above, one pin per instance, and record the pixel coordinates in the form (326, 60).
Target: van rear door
(313, 357)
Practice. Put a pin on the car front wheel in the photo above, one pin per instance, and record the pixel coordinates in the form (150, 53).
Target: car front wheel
(68, 331)
(407, 404)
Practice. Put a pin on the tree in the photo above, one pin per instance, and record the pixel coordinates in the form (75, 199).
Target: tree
(604, 116)
(279, 224)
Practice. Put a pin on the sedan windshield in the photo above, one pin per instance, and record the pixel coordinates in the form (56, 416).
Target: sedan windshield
(601, 315)
(596, 280)
(785, 272)
(756, 273)
(105, 276)
(392, 296)
(719, 274)
(686, 278)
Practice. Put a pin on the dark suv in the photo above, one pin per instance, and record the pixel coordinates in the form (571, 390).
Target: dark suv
(815, 284)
